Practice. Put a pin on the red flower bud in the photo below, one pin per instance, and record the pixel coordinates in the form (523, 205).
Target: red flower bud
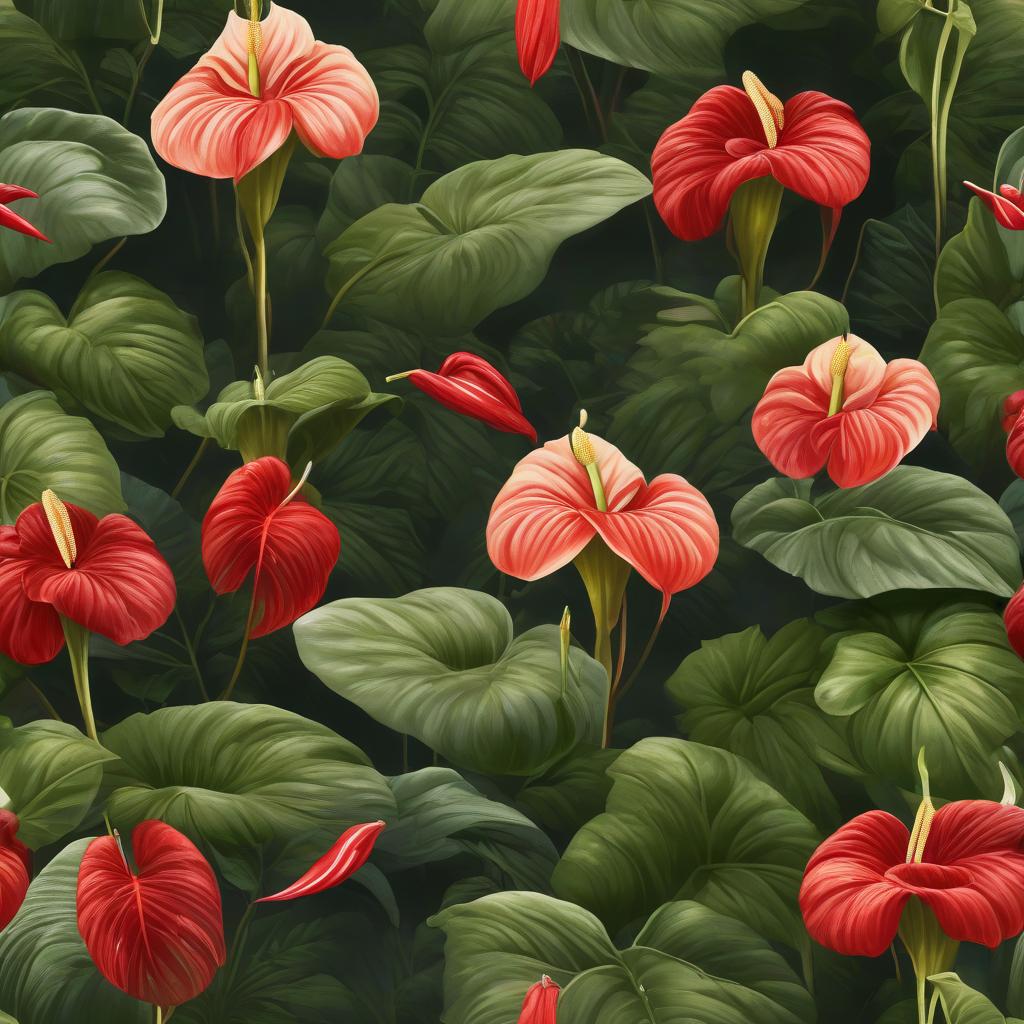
(15, 868)
(540, 1002)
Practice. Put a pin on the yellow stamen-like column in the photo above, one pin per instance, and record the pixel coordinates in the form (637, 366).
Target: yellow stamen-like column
(840, 364)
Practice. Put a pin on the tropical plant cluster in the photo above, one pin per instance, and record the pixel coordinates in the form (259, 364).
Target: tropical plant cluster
(511, 512)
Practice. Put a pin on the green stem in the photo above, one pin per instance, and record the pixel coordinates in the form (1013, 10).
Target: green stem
(947, 103)
(922, 1001)
(659, 265)
(44, 701)
(644, 655)
(77, 640)
(200, 452)
(230, 688)
(191, 654)
(755, 212)
(100, 264)
(155, 36)
(938, 161)
(262, 333)
(159, 1016)
(348, 286)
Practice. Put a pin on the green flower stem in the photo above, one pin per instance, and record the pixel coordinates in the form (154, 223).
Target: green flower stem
(262, 332)
(77, 639)
(755, 212)
(938, 142)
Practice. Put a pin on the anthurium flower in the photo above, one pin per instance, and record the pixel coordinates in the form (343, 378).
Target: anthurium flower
(540, 1003)
(1013, 424)
(159, 934)
(1007, 204)
(967, 868)
(468, 384)
(59, 563)
(578, 499)
(259, 524)
(1013, 618)
(258, 82)
(12, 220)
(537, 36)
(340, 862)
(15, 868)
(845, 409)
(811, 144)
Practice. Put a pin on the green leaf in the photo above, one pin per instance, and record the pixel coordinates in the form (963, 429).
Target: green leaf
(440, 816)
(963, 1005)
(233, 776)
(914, 528)
(480, 238)
(927, 672)
(99, 19)
(46, 973)
(367, 487)
(1012, 503)
(51, 772)
(304, 414)
(42, 447)
(480, 105)
(895, 15)
(190, 26)
(755, 697)
(650, 35)
(34, 64)
(685, 821)
(891, 289)
(95, 181)
(441, 664)
(572, 792)
(125, 352)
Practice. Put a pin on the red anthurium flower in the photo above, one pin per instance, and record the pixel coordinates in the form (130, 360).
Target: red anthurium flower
(60, 561)
(1013, 423)
(811, 144)
(1013, 618)
(1007, 204)
(469, 385)
(341, 861)
(260, 81)
(968, 869)
(847, 409)
(259, 524)
(15, 868)
(540, 1002)
(12, 220)
(551, 509)
(157, 935)
(537, 36)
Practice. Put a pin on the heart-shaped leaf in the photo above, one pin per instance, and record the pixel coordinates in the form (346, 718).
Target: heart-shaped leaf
(301, 417)
(126, 352)
(46, 973)
(912, 529)
(95, 181)
(51, 772)
(441, 664)
(480, 238)
(42, 447)
(232, 776)
(962, 1004)
(754, 696)
(927, 672)
(689, 821)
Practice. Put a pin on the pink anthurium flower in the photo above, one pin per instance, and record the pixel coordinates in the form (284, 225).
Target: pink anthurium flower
(1007, 204)
(1013, 424)
(258, 82)
(340, 862)
(12, 220)
(540, 1004)
(845, 409)
(537, 36)
(468, 384)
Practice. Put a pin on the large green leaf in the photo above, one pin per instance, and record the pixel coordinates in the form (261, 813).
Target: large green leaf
(125, 352)
(688, 964)
(34, 63)
(95, 181)
(302, 416)
(103, 19)
(441, 664)
(754, 696)
(42, 447)
(46, 974)
(914, 528)
(233, 776)
(652, 34)
(685, 821)
(927, 672)
(358, 186)
(479, 104)
(480, 238)
(571, 792)
(51, 772)
(962, 1004)
(440, 815)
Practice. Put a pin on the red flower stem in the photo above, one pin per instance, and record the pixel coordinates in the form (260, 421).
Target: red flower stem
(77, 640)
(226, 695)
